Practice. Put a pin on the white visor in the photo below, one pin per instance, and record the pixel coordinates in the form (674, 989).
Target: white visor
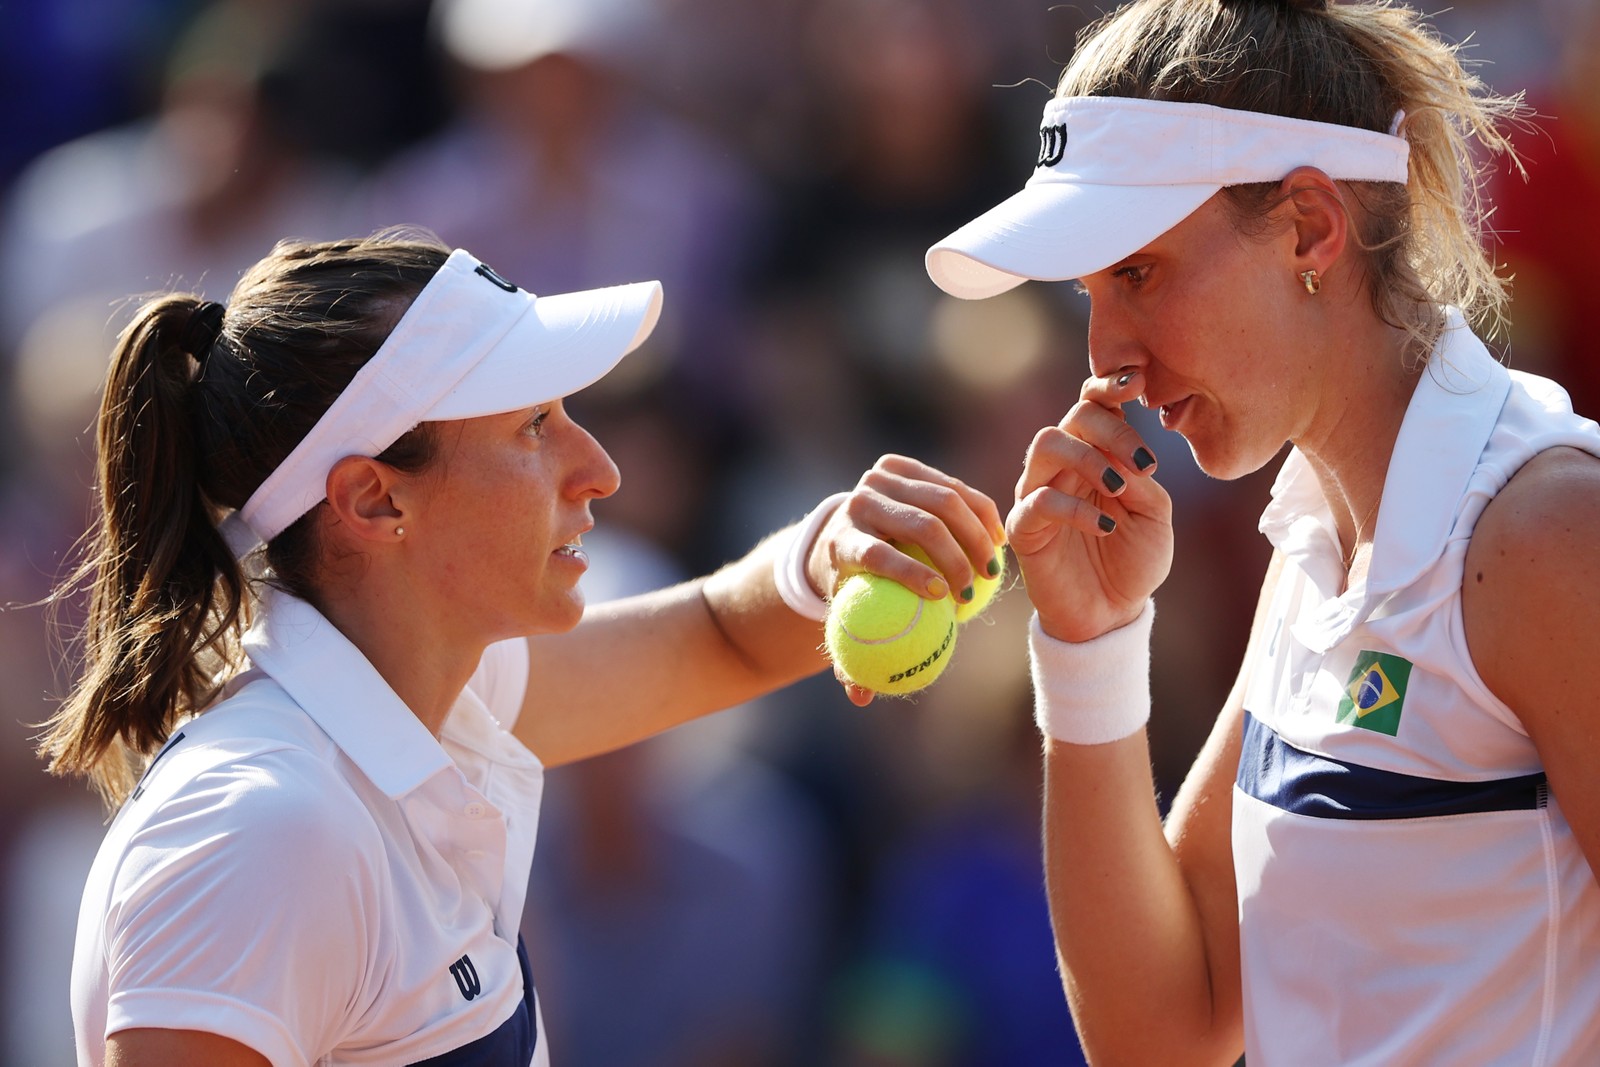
(471, 344)
(1114, 174)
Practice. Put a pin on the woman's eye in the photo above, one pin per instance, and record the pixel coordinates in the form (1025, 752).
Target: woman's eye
(535, 427)
(1134, 276)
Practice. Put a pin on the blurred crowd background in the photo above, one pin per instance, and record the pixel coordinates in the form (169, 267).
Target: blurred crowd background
(794, 882)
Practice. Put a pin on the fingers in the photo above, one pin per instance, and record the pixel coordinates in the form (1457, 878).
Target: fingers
(854, 693)
(1038, 518)
(902, 501)
(918, 475)
(1094, 444)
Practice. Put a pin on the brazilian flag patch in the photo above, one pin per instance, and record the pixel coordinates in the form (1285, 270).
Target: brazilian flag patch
(1376, 692)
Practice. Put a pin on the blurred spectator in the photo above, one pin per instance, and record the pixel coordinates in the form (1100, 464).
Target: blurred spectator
(957, 964)
(1548, 225)
(562, 174)
(677, 905)
(187, 197)
(68, 67)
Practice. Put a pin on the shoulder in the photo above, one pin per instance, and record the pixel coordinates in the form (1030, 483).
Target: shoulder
(250, 789)
(1532, 573)
(1551, 505)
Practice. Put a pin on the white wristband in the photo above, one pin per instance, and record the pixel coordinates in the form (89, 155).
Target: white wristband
(789, 564)
(1093, 692)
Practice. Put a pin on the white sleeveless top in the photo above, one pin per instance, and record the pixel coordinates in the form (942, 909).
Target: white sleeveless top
(1409, 891)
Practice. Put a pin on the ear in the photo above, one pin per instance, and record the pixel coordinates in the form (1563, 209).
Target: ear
(1316, 210)
(362, 494)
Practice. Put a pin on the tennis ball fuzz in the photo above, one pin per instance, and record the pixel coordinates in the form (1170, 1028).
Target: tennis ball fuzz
(886, 638)
(984, 585)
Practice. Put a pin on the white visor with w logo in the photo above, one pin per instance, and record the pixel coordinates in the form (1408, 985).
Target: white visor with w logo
(471, 344)
(1113, 174)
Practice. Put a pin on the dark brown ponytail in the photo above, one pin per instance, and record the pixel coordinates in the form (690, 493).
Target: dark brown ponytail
(201, 404)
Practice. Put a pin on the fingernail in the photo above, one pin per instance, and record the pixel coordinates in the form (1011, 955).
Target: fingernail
(1112, 480)
(1126, 378)
(937, 589)
(966, 594)
(1143, 459)
(1107, 523)
(994, 567)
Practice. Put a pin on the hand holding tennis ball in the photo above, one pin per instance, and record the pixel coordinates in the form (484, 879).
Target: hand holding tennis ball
(984, 585)
(885, 638)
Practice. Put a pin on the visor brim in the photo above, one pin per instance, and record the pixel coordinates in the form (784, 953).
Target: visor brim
(1056, 231)
(562, 344)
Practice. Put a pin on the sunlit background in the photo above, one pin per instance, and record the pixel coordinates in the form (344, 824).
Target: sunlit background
(793, 882)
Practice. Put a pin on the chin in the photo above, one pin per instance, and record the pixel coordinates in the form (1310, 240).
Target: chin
(1230, 463)
(554, 617)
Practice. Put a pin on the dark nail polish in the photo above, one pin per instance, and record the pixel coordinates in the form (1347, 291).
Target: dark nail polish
(1143, 459)
(1111, 480)
(1107, 523)
(966, 594)
(994, 567)
(1126, 378)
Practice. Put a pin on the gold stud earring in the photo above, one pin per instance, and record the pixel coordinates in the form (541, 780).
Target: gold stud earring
(1309, 279)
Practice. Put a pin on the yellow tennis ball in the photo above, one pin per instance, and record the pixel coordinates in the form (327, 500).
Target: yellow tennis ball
(984, 586)
(886, 638)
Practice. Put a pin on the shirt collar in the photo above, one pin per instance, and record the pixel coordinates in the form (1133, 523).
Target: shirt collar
(343, 693)
(1447, 423)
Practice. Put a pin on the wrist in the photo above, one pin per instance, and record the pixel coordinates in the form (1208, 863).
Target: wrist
(1092, 692)
(789, 562)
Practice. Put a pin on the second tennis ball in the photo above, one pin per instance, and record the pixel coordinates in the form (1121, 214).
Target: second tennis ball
(984, 586)
(886, 638)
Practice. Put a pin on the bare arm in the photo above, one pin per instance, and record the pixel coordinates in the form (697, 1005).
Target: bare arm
(1146, 919)
(638, 666)
(178, 1048)
(1531, 603)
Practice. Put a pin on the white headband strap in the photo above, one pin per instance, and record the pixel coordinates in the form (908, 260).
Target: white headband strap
(471, 344)
(1104, 140)
(441, 336)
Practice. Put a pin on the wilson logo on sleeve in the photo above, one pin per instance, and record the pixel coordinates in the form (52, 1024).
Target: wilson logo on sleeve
(1376, 693)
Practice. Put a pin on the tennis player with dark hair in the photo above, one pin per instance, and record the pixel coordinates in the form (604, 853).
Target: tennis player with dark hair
(1386, 852)
(333, 513)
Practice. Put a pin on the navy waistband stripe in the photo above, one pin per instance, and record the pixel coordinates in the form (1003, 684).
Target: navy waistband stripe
(1277, 773)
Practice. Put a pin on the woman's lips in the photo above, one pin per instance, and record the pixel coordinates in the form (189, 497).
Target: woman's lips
(1172, 413)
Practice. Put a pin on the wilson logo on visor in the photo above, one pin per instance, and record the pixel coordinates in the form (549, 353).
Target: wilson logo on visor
(1052, 145)
(490, 273)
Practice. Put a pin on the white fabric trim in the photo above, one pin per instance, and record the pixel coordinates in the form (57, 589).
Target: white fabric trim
(1092, 692)
(1116, 141)
(789, 564)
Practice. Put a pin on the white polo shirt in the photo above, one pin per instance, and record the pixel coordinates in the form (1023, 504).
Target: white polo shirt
(306, 870)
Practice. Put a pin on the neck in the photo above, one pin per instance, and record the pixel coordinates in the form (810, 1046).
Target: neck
(424, 663)
(1354, 426)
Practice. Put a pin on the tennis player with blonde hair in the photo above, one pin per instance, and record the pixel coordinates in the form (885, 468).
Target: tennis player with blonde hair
(1386, 851)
